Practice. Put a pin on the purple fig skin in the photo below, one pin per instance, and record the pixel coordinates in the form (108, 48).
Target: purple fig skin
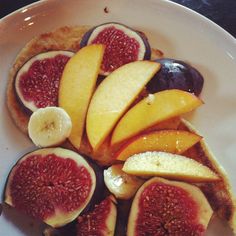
(123, 208)
(147, 54)
(69, 229)
(99, 191)
(176, 74)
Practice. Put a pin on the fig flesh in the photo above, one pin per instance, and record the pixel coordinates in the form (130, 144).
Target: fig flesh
(37, 81)
(101, 221)
(163, 207)
(123, 45)
(52, 184)
(176, 74)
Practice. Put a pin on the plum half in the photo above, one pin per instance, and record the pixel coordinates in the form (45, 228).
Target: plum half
(123, 45)
(52, 184)
(176, 74)
(163, 207)
(37, 81)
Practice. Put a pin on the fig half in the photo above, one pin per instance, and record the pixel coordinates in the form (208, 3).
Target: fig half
(123, 45)
(101, 221)
(52, 184)
(37, 81)
(163, 207)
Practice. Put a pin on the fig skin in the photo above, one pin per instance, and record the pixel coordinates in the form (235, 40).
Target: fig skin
(100, 191)
(176, 74)
(177, 209)
(147, 54)
(53, 216)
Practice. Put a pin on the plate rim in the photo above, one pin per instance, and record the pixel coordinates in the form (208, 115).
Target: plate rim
(213, 25)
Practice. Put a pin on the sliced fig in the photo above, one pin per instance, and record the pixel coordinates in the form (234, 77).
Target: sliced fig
(176, 74)
(163, 207)
(52, 184)
(100, 190)
(101, 221)
(37, 81)
(123, 45)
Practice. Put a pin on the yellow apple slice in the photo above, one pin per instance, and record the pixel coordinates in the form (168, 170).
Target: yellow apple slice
(114, 95)
(152, 110)
(168, 165)
(173, 141)
(77, 85)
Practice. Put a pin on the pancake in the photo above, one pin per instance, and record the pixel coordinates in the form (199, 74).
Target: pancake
(219, 194)
(65, 38)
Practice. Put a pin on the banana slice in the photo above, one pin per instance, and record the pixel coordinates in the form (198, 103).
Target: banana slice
(49, 126)
(122, 185)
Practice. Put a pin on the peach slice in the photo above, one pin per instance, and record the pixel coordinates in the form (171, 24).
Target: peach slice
(77, 85)
(163, 207)
(168, 165)
(114, 95)
(152, 110)
(173, 141)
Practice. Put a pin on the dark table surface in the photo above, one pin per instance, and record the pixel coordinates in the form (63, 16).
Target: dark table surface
(222, 12)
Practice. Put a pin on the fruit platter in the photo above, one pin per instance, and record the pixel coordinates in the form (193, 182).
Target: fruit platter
(110, 117)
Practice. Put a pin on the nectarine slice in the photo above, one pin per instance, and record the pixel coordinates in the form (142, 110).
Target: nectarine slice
(77, 85)
(173, 141)
(114, 95)
(168, 165)
(152, 110)
(163, 207)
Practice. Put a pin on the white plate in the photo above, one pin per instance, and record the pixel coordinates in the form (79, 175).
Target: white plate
(179, 32)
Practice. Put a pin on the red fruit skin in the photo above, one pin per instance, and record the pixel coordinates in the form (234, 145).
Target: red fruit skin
(97, 223)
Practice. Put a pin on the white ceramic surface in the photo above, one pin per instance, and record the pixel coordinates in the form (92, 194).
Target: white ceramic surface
(179, 32)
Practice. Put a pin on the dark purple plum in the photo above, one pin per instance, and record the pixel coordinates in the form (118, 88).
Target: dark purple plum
(123, 45)
(176, 74)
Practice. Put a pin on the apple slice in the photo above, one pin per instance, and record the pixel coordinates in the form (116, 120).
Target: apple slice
(168, 165)
(114, 95)
(163, 207)
(77, 85)
(173, 141)
(152, 110)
